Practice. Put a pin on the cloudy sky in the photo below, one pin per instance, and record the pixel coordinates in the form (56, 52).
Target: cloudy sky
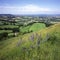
(29, 6)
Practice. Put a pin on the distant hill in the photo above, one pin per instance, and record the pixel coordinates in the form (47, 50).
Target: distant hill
(8, 15)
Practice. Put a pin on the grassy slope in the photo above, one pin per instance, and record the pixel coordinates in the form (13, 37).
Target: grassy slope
(46, 51)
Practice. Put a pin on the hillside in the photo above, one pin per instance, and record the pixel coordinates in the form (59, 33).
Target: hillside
(39, 45)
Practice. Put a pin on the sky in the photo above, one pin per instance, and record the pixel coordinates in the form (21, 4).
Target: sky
(29, 6)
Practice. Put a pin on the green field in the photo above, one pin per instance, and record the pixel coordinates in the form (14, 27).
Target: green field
(8, 26)
(37, 26)
(33, 27)
(40, 45)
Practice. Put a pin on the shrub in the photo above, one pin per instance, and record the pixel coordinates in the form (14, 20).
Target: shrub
(3, 35)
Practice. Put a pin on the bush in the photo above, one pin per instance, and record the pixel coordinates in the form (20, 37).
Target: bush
(15, 29)
(3, 35)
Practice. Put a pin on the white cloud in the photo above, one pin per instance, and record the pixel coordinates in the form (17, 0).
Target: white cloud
(28, 9)
(33, 8)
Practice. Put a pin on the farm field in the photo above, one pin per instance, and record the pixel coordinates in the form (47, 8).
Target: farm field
(33, 27)
(29, 37)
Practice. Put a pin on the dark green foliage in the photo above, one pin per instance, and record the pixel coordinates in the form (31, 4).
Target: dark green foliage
(52, 38)
(16, 30)
(3, 35)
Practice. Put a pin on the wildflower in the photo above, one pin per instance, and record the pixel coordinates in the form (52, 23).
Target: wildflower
(47, 37)
(32, 37)
(19, 42)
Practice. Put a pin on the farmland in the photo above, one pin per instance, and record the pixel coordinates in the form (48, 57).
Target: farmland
(33, 27)
(29, 39)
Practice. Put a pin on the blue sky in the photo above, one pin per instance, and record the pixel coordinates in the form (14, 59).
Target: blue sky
(29, 6)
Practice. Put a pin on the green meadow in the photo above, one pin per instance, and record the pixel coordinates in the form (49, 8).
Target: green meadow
(33, 27)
